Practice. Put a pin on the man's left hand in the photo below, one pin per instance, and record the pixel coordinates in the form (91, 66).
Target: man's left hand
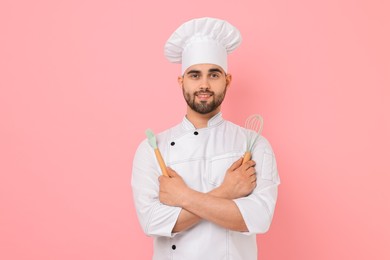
(172, 189)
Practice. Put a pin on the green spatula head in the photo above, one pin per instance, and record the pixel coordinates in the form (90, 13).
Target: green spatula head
(151, 138)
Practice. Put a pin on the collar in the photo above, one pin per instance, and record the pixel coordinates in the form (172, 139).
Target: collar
(215, 120)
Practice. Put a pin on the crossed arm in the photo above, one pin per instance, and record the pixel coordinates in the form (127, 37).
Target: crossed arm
(217, 205)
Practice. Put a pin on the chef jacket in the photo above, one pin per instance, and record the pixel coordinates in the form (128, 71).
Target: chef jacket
(201, 157)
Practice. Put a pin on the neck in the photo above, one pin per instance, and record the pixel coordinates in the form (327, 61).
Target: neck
(200, 120)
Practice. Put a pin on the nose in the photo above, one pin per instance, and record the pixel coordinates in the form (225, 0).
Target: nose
(204, 84)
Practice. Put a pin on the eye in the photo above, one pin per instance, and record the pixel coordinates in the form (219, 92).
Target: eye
(194, 76)
(214, 75)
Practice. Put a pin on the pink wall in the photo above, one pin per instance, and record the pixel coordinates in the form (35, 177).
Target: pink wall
(80, 81)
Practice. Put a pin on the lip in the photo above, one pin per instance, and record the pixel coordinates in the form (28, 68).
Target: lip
(204, 95)
(209, 94)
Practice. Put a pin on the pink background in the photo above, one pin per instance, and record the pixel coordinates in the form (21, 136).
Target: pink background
(80, 81)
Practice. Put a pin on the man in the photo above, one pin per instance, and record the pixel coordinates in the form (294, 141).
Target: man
(212, 205)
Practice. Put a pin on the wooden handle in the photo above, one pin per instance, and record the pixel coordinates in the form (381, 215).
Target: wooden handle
(247, 156)
(161, 162)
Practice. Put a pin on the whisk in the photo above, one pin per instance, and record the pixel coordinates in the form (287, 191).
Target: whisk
(255, 123)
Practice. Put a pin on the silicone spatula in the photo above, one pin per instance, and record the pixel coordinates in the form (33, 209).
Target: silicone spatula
(153, 143)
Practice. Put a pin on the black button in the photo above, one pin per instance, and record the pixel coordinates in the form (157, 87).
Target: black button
(196, 133)
(173, 143)
(173, 247)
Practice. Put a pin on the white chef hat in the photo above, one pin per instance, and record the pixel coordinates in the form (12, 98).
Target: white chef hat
(202, 40)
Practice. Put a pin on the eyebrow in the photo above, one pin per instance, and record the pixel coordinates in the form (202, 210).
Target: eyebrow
(193, 71)
(215, 70)
(210, 70)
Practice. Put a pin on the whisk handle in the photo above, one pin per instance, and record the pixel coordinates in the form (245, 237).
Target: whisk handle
(247, 156)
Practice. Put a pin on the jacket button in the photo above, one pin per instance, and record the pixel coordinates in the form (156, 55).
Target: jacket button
(196, 133)
(172, 143)
(173, 247)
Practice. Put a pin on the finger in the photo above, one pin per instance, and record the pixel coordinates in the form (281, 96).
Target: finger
(249, 164)
(253, 178)
(171, 172)
(236, 164)
(161, 178)
(250, 171)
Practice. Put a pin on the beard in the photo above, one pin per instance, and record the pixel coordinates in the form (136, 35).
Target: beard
(204, 107)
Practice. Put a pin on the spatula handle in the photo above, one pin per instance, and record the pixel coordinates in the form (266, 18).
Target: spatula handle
(161, 162)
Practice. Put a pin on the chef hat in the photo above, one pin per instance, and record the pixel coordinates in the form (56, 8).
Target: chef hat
(202, 40)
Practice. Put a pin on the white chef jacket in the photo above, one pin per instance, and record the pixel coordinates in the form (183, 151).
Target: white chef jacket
(201, 157)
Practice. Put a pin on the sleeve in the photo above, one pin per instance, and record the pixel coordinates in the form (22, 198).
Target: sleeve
(258, 208)
(156, 219)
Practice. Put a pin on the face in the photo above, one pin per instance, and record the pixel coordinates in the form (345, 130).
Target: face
(204, 87)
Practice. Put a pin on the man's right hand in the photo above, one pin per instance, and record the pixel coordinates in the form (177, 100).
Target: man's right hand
(240, 179)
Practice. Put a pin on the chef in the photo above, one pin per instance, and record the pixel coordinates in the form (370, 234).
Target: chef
(212, 204)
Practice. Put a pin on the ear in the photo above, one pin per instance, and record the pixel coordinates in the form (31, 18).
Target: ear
(228, 80)
(180, 81)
